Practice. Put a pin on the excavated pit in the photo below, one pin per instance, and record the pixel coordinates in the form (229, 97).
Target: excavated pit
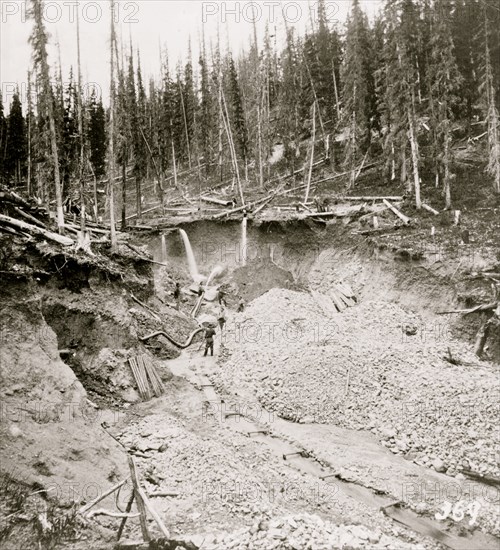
(299, 255)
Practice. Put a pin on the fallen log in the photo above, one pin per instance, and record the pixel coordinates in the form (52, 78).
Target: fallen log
(367, 198)
(34, 230)
(90, 229)
(217, 201)
(430, 209)
(481, 307)
(14, 198)
(29, 217)
(11, 231)
(323, 215)
(399, 214)
(489, 480)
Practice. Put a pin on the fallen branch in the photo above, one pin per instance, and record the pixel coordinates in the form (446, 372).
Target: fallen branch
(142, 304)
(103, 512)
(482, 307)
(399, 214)
(430, 209)
(34, 230)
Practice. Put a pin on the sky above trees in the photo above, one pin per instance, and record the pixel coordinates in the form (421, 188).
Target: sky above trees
(171, 23)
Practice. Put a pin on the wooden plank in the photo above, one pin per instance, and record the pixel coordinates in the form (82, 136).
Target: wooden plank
(324, 302)
(336, 300)
(88, 506)
(138, 499)
(349, 302)
(142, 373)
(345, 289)
(124, 520)
(135, 370)
(153, 512)
(153, 377)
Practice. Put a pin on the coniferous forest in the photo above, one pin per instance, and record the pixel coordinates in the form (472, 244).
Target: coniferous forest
(399, 92)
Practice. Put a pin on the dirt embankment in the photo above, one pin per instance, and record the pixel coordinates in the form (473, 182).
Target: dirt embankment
(54, 453)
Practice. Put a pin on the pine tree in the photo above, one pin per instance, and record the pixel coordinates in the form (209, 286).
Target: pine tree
(39, 39)
(15, 162)
(189, 105)
(465, 24)
(237, 111)
(289, 114)
(97, 135)
(141, 156)
(358, 87)
(399, 78)
(207, 109)
(488, 96)
(444, 81)
(68, 138)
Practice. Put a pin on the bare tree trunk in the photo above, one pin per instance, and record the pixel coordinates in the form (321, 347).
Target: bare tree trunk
(80, 131)
(414, 151)
(138, 198)
(447, 191)
(231, 142)
(221, 172)
(124, 196)
(47, 90)
(306, 198)
(185, 126)
(259, 134)
(96, 208)
(337, 103)
(174, 165)
(111, 152)
(29, 189)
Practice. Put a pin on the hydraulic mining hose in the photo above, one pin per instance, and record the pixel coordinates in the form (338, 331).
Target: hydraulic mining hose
(170, 339)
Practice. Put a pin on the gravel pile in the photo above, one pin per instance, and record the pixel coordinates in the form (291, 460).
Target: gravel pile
(304, 532)
(373, 367)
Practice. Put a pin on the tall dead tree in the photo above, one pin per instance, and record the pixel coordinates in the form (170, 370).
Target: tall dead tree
(111, 149)
(80, 130)
(39, 40)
